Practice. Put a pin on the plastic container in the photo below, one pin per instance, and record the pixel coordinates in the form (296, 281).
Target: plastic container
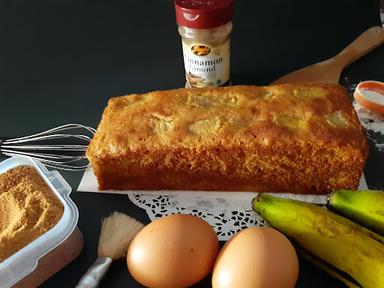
(370, 95)
(43, 257)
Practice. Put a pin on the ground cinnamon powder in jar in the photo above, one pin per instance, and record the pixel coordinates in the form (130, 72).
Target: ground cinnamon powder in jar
(28, 209)
(205, 27)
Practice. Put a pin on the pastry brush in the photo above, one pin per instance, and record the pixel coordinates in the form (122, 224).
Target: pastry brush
(116, 233)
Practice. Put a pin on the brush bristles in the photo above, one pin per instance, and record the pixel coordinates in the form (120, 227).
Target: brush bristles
(116, 233)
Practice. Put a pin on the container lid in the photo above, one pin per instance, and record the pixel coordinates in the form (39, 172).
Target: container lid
(23, 262)
(370, 95)
(203, 14)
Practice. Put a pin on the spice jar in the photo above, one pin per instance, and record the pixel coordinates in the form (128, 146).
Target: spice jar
(205, 27)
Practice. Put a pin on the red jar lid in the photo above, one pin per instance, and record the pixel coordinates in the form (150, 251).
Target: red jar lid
(203, 14)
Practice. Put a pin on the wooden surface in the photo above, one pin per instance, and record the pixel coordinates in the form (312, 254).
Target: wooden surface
(329, 71)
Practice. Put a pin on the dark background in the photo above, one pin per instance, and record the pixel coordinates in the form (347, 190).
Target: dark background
(61, 60)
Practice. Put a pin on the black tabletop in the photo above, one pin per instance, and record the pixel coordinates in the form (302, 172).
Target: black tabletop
(61, 60)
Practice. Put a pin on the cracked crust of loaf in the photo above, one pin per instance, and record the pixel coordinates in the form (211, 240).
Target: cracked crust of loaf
(283, 138)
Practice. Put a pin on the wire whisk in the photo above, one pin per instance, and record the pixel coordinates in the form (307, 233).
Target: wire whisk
(46, 147)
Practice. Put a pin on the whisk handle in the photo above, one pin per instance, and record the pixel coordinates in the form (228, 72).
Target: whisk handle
(95, 273)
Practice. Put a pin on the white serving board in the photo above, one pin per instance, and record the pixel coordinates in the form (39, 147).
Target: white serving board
(89, 184)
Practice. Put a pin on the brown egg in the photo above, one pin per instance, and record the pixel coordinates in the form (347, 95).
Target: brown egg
(174, 251)
(257, 257)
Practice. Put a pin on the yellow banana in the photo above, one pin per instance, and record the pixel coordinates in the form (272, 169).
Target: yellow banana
(354, 250)
(326, 268)
(365, 207)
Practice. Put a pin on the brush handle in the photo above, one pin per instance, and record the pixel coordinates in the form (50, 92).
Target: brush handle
(363, 44)
(95, 273)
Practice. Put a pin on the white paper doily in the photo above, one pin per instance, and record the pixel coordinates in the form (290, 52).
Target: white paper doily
(224, 216)
(227, 212)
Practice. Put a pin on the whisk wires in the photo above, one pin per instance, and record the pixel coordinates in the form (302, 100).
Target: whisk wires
(62, 156)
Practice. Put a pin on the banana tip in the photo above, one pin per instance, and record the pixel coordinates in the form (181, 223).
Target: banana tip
(255, 200)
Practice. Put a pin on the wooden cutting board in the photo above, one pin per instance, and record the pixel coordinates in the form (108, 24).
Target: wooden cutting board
(329, 71)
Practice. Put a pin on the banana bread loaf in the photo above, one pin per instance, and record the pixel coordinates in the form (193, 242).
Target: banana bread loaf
(283, 138)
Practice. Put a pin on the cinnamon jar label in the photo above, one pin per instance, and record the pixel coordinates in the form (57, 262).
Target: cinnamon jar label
(206, 65)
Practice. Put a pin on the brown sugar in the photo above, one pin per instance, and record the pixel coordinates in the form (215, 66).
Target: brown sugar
(28, 209)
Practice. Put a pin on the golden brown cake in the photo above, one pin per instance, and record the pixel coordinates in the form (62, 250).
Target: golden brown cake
(283, 138)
